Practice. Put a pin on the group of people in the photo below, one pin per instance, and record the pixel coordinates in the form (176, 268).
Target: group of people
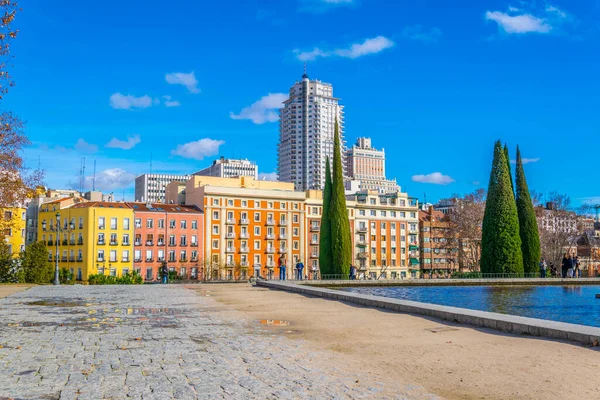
(299, 270)
(570, 268)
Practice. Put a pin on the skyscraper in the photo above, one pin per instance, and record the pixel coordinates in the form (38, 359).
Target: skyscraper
(306, 128)
(366, 165)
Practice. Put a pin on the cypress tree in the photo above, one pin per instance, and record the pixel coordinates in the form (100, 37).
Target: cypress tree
(500, 240)
(512, 185)
(341, 248)
(325, 255)
(530, 237)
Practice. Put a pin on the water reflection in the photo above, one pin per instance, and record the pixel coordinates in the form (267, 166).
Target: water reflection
(572, 304)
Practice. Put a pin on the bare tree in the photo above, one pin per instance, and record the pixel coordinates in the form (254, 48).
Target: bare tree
(466, 220)
(561, 202)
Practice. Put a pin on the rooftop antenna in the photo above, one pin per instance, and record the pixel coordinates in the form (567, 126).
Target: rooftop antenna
(304, 75)
(150, 163)
(94, 178)
(83, 174)
(425, 195)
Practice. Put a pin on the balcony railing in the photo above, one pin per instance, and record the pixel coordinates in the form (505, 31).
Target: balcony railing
(271, 250)
(244, 221)
(315, 228)
(314, 255)
(172, 244)
(80, 242)
(230, 250)
(194, 244)
(71, 259)
(362, 229)
(270, 222)
(230, 221)
(282, 237)
(361, 243)
(244, 235)
(182, 259)
(160, 259)
(114, 243)
(244, 263)
(64, 242)
(270, 236)
(362, 255)
(149, 260)
(283, 250)
(283, 222)
(149, 243)
(230, 235)
(50, 242)
(314, 242)
(137, 243)
(79, 259)
(71, 242)
(137, 260)
(161, 243)
(244, 249)
(125, 259)
(101, 242)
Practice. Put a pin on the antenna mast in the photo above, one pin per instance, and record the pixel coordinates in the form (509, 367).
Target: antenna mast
(94, 178)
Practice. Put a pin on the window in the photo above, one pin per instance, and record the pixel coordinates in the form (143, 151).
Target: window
(372, 201)
(361, 212)
(137, 255)
(113, 256)
(79, 255)
(295, 218)
(215, 229)
(161, 255)
(215, 244)
(171, 255)
(257, 231)
(244, 203)
(126, 224)
(270, 204)
(256, 217)
(113, 272)
(194, 240)
(101, 223)
(215, 215)
(125, 255)
(413, 215)
(402, 214)
(257, 204)
(101, 255)
(126, 239)
(171, 240)
(194, 224)
(393, 214)
(113, 238)
(172, 223)
(296, 245)
(113, 223)
(182, 255)
(149, 274)
(296, 232)
(373, 213)
(257, 245)
(183, 240)
(194, 255)
(148, 255)
(230, 202)
(183, 224)
(383, 214)
(138, 222)
(81, 222)
(149, 223)
(215, 202)
(100, 238)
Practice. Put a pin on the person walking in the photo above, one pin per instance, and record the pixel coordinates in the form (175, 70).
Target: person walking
(282, 268)
(564, 266)
(314, 273)
(299, 269)
(543, 267)
(165, 273)
(577, 268)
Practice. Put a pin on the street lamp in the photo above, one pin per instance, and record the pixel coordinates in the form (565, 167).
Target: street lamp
(56, 279)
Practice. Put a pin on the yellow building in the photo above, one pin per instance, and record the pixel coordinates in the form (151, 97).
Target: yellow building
(13, 225)
(93, 237)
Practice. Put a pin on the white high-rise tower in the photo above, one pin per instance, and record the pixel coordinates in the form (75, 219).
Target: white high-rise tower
(306, 129)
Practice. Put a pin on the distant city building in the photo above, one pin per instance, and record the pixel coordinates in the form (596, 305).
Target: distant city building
(306, 130)
(229, 168)
(446, 206)
(552, 220)
(150, 188)
(439, 247)
(366, 165)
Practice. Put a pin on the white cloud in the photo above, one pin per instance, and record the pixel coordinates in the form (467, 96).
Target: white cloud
(181, 78)
(109, 179)
(417, 32)
(520, 21)
(436, 178)
(268, 176)
(124, 144)
(85, 147)
(319, 6)
(171, 103)
(122, 102)
(199, 149)
(263, 110)
(526, 160)
(524, 23)
(369, 46)
(476, 183)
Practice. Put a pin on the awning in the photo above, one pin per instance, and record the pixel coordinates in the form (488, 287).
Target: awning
(414, 261)
(413, 247)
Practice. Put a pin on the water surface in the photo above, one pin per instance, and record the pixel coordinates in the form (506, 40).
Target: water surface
(572, 304)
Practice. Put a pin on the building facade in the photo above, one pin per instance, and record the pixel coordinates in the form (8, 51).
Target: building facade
(90, 237)
(306, 132)
(14, 226)
(552, 220)
(150, 188)
(229, 168)
(366, 165)
(438, 245)
(168, 233)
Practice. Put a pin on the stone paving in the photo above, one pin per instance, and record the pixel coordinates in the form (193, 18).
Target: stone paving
(154, 342)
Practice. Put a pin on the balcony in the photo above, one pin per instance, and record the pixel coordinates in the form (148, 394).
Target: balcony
(230, 235)
(270, 264)
(230, 221)
(362, 255)
(125, 260)
(230, 250)
(149, 260)
(282, 237)
(137, 243)
(149, 243)
(50, 242)
(172, 244)
(283, 222)
(244, 249)
(100, 259)
(161, 243)
(114, 243)
(244, 221)
(270, 236)
(100, 226)
(183, 244)
(314, 255)
(183, 259)
(71, 243)
(270, 250)
(64, 242)
(362, 229)
(80, 259)
(137, 260)
(283, 250)
(244, 235)
(126, 243)
(63, 259)
(314, 242)
(160, 259)
(257, 265)
(361, 243)
(71, 259)
(244, 264)
(80, 242)
(270, 222)
(101, 242)
(194, 244)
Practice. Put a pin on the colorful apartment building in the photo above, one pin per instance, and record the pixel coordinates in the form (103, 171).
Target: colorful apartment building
(249, 225)
(168, 233)
(439, 246)
(13, 223)
(91, 237)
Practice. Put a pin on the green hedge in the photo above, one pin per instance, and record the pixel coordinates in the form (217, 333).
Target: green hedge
(128, 279)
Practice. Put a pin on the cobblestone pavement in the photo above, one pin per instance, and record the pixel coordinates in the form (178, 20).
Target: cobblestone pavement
(154, 342)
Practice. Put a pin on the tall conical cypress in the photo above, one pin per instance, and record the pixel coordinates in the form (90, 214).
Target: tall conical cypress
(530, 237)
(500, 241)
(325, 255)
(512, 185)
(340, 225)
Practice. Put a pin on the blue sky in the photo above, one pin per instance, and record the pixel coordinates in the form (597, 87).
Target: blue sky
(433, 82)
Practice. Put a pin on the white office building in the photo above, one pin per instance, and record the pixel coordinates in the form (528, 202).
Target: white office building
(150, 188)
(306, 129)
(366, 166)
(229, 168)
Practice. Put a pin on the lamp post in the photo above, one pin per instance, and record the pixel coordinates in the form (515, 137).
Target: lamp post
(56, 279)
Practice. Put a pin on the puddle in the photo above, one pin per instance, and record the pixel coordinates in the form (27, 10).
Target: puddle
(274, 322)
(57, 303)
(439, 329)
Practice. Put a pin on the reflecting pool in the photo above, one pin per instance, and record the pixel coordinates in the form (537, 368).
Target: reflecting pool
(572, 304)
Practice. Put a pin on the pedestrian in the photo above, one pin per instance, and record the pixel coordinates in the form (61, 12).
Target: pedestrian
(351, 272)
(564, 266)
(165, 273)
(570, 266)
(282, 268)
(543, 267)
(577, 272)
(299, 269)
(552, 270)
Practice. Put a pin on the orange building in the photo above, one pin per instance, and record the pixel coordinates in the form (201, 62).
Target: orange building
(439, 247)
(168, 233)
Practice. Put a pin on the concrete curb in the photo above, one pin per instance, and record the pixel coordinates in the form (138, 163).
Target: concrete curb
(457, 282)
(587, 335)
